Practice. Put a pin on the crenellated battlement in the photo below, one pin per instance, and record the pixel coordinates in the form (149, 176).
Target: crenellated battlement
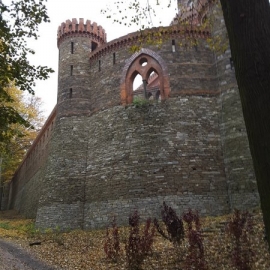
(75, 28)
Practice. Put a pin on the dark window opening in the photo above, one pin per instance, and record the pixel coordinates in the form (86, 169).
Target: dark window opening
(93, 46)
(143, 62)
(173, 45)
(70, 93)
(158, 95)
(71, 70)
(99, 65)
(113, 58)
(72, 47)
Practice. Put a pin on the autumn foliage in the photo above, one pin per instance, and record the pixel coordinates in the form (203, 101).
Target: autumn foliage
(138, 245)
(84, 250)
(240, 228)
(173, 223)
(195, 258)
(185, 232)
(112, 242)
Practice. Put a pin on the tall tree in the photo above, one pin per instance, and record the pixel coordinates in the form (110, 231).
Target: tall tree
(248, 26)
(19, 21)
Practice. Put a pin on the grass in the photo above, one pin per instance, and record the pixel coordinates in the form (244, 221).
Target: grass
(14, 226)
(84, 249)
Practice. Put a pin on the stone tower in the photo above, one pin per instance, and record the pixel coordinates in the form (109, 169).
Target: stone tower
(63, 200)
(75, 41)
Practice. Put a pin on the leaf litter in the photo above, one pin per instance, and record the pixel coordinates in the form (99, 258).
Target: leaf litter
(80, 250)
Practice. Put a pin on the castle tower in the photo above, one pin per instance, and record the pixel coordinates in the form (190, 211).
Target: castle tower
(64, 179)
(75, 42)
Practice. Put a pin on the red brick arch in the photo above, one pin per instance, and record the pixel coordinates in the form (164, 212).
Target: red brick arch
(134, 66)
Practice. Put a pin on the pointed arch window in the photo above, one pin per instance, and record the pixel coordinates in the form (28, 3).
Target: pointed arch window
(153, 82)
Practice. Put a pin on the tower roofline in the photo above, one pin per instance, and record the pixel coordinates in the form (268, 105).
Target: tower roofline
(75, 28)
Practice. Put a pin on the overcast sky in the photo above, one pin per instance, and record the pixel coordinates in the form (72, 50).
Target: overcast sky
(61, 10)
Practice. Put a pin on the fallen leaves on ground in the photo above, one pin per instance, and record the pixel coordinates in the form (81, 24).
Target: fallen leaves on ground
(84, 249)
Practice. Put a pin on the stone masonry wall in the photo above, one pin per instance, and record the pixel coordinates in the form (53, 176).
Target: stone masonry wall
(127, 158)
(25, 186)
(190, 72)
(242, 186)
(73, 79)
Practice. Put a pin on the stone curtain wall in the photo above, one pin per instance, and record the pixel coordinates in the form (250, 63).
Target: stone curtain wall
(25, 186)
(142, 156)
(135, 158)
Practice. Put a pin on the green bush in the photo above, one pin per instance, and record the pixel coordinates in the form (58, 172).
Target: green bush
(139, 101)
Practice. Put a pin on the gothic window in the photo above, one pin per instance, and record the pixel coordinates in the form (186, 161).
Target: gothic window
(144, 77)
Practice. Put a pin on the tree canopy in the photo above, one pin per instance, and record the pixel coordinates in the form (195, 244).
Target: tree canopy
(14, 150)
(19, 136)
(19, 21)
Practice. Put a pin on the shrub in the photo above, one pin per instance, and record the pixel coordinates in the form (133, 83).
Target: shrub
(239, 228)
(112, 242)
(173, 223)
(195, 258)
(139, 101)
(138, 246)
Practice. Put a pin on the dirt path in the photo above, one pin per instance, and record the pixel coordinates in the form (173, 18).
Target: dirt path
(12, 257)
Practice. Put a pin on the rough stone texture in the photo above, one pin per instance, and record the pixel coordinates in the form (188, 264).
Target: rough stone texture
(26, 185)
(242, 186)
(160, 151)
(105, 159)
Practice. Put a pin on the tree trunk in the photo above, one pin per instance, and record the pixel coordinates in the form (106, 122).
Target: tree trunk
(248, 26)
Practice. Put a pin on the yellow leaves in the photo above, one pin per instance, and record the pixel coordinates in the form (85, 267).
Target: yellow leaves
(83, 250)
(20, 136)
(14, 226)
(134, 48)
(218, 43)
